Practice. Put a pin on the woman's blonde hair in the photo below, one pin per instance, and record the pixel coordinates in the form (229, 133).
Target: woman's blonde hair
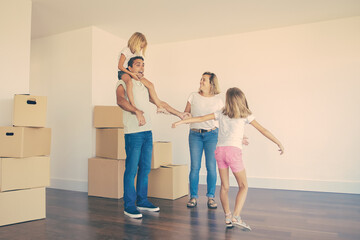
(214, 83)
(135, 42)
(236, 105)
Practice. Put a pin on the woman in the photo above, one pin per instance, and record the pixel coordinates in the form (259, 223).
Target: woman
(203, 136)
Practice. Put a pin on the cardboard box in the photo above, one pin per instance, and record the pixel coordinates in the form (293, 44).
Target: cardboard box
(22, 206)
(29, 111)
(162, 154)
(24, 141)
(169, 182)
(108, 117)
(105, 177)
(110, 143)
(22, 173)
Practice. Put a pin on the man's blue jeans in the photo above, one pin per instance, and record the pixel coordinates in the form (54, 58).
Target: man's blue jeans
(138, 147)
(199, 143)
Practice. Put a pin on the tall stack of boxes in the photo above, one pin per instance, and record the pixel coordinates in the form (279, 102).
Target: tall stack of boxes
(106, 170)
(25, 162)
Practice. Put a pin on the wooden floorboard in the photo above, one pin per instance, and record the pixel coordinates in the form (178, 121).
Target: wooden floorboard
(272, 214)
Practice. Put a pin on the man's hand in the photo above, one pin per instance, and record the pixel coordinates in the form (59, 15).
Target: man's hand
(140, 117)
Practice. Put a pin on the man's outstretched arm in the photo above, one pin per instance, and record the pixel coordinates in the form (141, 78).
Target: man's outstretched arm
(170, 109)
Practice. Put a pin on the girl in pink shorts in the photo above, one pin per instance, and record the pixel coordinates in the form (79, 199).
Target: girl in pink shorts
(232, 119)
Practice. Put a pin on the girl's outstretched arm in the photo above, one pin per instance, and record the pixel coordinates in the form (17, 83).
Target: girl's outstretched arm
(268, 134)
(205, 118)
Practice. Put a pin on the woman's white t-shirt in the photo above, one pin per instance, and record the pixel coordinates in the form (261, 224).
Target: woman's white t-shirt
(201, 106)
(231, 130)
(128, 54)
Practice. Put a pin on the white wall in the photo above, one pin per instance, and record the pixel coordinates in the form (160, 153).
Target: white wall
(15, 27)
(61, 69)
(105, 53)
(76, 70)
(301, 82)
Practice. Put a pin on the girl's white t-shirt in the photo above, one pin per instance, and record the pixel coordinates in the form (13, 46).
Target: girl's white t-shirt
(231, 130)
(201, 106)
(128, 54)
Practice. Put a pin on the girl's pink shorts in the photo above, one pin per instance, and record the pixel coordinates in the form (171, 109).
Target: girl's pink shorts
(229, 156)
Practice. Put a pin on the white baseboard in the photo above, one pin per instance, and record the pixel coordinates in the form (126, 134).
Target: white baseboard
(268, 183)
(296, 184)
(72, 185)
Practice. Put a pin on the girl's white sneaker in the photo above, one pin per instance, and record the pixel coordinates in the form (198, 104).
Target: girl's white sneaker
(241, 224)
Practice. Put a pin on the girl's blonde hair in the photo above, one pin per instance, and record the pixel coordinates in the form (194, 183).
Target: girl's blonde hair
(135, 42)
(214, 83)
(236, 105)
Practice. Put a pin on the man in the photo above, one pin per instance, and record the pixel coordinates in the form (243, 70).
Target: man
(138, 140)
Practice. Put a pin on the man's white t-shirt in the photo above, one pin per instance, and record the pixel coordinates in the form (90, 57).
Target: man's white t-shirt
(141, 99)
(128, 54)
(201, 106)
(231, 130)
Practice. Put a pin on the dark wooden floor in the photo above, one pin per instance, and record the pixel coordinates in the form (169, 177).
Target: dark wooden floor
(272, 214)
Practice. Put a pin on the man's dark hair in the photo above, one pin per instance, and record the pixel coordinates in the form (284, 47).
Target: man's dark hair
(131, 61)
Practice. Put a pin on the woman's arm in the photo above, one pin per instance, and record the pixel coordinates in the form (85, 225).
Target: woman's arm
(186, 114)
(204, 118)
(268, 134)
(188, 107)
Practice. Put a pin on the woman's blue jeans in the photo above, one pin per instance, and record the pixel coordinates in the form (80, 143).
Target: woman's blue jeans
(138, 147)
(199, 143)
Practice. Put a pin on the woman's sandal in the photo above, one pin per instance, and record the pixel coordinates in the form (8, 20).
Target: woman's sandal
(228, 221)
(240, 223)
(191, 203)
(211, 203)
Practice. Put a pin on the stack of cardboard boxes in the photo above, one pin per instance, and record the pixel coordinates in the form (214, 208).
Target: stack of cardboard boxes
(25, 162)
(166, 180)
(106, 170)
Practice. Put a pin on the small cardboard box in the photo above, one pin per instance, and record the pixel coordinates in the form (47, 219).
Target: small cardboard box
(105, 177)
(110, 143)
(22, 206)
(22, 173)
(108, 117)
(24, 142)
(162, 154)
(169, 182)
(29, 111)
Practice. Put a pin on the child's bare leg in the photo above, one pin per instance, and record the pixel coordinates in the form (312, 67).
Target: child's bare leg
(129, 88)
(224, 189)
(242, 193)
(150, 86)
